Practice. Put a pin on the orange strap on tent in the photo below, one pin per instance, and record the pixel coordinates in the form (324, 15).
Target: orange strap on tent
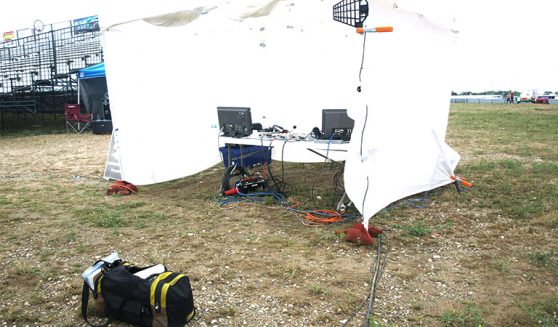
(463, 181)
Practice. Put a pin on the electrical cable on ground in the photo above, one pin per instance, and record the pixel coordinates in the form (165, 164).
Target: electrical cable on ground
(378, 269)
(372, 296)
(311, 217)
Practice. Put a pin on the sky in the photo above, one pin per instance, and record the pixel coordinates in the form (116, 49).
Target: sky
(502, 45)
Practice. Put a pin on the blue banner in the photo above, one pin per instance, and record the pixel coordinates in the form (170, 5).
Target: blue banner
(86, 24)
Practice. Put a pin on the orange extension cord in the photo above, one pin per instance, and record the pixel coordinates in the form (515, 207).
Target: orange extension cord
(323, 217)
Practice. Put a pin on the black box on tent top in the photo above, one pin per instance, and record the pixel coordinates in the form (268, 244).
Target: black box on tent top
(246, 156)
(101, 126)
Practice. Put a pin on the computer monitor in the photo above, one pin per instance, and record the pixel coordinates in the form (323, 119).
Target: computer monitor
(235, 121)
(336, 124)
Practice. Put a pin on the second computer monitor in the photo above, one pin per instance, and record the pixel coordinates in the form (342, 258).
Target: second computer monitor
(336, 124)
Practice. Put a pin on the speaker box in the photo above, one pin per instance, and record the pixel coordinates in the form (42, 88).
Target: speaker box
(101, 126)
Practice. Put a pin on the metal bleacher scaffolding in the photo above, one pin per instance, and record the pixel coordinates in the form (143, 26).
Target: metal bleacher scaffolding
(38, 71)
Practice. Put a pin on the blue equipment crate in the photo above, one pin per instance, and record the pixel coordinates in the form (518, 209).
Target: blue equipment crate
(251, 155)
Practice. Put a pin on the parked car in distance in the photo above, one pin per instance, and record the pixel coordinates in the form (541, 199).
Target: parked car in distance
(542, 99)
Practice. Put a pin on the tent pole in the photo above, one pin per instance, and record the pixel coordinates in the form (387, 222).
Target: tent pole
(78, 91)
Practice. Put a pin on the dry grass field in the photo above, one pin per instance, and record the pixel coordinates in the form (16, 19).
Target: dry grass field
(487, 257)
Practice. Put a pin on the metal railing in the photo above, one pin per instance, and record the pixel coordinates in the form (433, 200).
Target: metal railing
(42, 67)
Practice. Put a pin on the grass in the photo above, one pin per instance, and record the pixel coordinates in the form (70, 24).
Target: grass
(121, 215)
(519, 174)
(542, 312)
(526, 191)
(101, 217)
(71, 236)
(421, 228)
(545, 258)
(318, 290)
(243, 255)
(503, 265)
(417, 229)
(470, 315)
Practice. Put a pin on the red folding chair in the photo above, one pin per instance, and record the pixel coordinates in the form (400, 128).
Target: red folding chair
(75, 120)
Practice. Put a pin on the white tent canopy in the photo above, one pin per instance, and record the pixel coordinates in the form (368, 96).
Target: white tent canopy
(286, 60)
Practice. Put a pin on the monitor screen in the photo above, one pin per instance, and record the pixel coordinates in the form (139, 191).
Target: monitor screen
(336, 124)
(235, 121)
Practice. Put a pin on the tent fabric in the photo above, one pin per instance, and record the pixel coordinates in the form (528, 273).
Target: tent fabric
(94, 71)
(274, 64)
(93, 94)
(287, 61)
(93, 91)
(175, 19)
(401, 121)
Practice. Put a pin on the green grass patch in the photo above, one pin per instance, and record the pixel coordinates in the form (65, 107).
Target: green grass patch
(542, 312)
(318, 290)
(545, 169)
(469, 316)
(515, 154)
(421, 229)
(20, 267)
(4, 200)
(523, 190)
(71, 236)
(121, 215)
(515, 125)
(501, 264)
(542, 259)
(146, 218)
(418, 229)
(102, 217)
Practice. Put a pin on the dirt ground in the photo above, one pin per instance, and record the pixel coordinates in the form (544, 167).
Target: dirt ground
(252, 265)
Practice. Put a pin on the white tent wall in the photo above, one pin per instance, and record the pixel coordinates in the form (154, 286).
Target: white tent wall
(166, 82)
(287, 60)
(398, 147)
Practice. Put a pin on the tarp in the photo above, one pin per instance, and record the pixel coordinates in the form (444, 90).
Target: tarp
(93, 91)
(94, 71)
(286, 61)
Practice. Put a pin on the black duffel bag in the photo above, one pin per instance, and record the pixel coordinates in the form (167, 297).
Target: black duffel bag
(162, 300)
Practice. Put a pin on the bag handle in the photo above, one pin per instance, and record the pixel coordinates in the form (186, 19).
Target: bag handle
(85, 303)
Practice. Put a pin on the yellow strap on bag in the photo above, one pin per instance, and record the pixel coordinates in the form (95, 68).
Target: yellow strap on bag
(154, 286)
(166, 288)
(99, 284)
